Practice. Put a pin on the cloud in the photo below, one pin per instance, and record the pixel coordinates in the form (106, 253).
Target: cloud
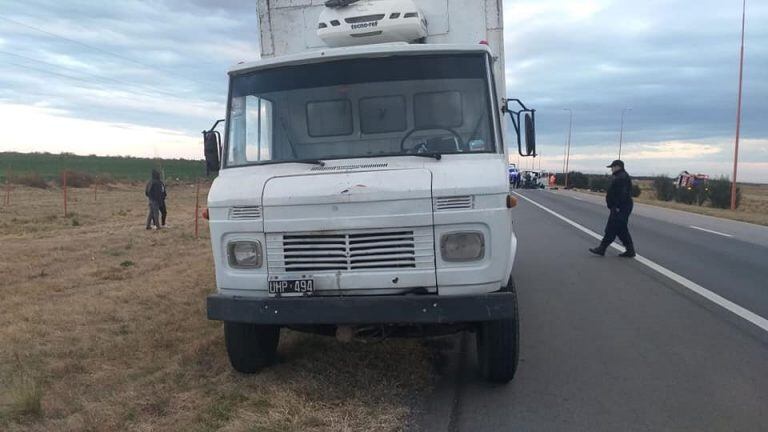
(713, 156)
(178, 48)
(44, 126)
(673, 150)
(159, 67)
(675, 62)
(520, 13)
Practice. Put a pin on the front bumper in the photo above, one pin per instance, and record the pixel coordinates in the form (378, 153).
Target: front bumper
(396, 309)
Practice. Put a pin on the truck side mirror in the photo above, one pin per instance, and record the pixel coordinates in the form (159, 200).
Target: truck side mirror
(211, 144)
(526, 133)
(530, 135)
(212, 149)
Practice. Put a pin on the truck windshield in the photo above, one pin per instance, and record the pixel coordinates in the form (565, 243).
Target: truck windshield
(400, 105)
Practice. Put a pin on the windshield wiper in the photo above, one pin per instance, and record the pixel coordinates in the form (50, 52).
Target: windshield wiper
(433, 155)
(299, 161)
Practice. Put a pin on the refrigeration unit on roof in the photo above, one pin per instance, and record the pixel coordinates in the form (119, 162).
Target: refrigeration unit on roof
(372, 21)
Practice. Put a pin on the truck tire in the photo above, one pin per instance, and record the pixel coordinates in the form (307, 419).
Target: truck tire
(251, 347)
(498, 345)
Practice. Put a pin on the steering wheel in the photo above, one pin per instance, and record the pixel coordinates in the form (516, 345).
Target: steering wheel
(453, 132)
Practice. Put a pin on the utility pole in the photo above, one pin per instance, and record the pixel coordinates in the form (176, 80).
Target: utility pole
(621, 130)
(568, 146)
(738, 109)
(565, 148)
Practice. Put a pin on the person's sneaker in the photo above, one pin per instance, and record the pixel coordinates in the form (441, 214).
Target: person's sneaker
(149, 228)
(628, 254)
(598, 251)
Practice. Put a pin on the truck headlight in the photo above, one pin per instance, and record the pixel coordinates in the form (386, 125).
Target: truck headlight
(244, 254)
(462, 246)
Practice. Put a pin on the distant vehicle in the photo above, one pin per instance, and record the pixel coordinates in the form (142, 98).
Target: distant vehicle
(514, 173)
(690, 181)
(534, 179)
(362, 186)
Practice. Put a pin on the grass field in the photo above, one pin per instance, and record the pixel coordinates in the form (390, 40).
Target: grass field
(50, 166)
(753, 207)
(103, 328)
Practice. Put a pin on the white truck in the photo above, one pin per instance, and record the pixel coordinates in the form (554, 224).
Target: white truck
(363, 186)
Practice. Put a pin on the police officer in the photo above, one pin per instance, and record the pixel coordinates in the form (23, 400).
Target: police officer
(619, 200)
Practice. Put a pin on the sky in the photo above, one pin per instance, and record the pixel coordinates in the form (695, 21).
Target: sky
(143, 78)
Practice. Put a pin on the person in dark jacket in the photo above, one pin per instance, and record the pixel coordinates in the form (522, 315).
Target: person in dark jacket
(619, 201)
(154, 193)
(163, 208)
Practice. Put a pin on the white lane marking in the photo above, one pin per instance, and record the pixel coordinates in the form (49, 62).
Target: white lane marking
(710, 231)
(693, 286)
(577, 198)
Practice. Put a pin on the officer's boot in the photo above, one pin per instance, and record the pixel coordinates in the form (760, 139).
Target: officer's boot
(600, 250)
(630, 252)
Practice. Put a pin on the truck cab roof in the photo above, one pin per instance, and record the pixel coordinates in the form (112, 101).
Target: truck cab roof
(326, 54)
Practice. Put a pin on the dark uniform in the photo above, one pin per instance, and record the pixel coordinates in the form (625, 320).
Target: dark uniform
(154, 193)
(619, 201)
(163, 208)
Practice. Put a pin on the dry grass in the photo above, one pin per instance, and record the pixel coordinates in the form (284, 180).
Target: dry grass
(103, 328)
(24, 395)
(753, 208)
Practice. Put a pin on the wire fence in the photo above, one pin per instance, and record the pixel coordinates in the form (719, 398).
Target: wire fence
(98, 202)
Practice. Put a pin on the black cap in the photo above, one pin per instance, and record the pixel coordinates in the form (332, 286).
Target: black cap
(617, 163)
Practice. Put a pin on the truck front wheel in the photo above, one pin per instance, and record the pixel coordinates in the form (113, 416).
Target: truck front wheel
(251, 347)
(498, 345)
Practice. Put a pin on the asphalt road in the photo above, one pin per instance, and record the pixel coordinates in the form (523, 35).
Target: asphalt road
(611, 344)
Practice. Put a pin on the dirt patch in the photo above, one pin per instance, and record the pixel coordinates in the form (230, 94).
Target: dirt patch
(103, 328)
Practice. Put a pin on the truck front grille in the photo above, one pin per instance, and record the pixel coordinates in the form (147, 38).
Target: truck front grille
(350, 250)
(364, 18)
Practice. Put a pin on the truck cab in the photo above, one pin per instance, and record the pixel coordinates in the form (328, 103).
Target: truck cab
(363, 190)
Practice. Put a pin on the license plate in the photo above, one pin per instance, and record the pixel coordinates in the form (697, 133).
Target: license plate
(292, 287)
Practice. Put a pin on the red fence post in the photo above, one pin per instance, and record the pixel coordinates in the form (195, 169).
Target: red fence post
(197, 207)
(8, 177)
(64, 185)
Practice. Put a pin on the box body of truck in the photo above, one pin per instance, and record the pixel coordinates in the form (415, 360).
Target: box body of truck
(365, 188)
(290, 26)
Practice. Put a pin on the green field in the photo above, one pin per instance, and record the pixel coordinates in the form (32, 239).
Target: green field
(50, 166)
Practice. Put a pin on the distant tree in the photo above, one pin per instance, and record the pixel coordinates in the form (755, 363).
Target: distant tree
(599, 183)
(560, 179)
(664, 188)
(76, 179)
(685, 195)
(720, 193)
(31, 179)
(578, 180)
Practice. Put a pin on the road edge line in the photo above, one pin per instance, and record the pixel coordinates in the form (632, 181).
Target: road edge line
(710, 231)
(726, 304)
